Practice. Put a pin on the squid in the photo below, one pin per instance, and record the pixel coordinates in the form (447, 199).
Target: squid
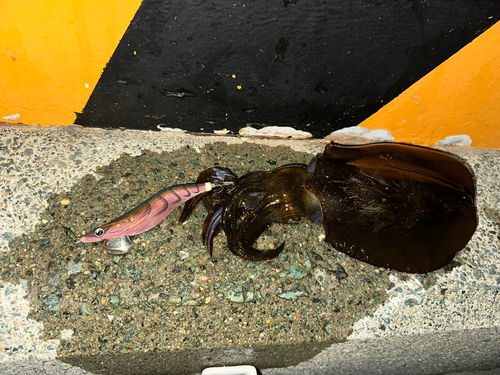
(393, 205)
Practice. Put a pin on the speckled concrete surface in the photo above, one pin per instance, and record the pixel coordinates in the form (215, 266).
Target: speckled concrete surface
(450, 352)
(53, 161)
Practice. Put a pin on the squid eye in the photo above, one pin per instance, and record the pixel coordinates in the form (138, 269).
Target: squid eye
(99, 232)
(312, 166)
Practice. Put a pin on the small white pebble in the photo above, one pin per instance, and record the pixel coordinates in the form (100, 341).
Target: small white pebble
(183, 254)
(111, 317)
(67, 334)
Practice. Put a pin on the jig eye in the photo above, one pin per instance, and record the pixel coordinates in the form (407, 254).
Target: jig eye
(99, 232)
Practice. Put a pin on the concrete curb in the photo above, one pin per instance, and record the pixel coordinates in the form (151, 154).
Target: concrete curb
(420, 313)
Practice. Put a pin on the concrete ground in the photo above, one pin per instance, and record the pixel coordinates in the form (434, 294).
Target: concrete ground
(165, 308)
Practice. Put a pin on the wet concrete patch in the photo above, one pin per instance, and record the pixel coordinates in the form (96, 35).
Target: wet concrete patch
(167, 295)
(190, 361)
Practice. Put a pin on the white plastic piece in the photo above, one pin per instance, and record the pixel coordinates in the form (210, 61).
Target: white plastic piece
(358, 131)
(230, 370)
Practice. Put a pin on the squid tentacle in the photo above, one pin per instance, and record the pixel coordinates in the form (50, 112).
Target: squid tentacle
(189, 207)
(250, 229)
(282, 199)
(212, 227)
(213, 224)
(223, 180)
(232, 205)
(270, 210)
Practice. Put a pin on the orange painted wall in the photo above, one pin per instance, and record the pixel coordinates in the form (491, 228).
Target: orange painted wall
(460, 96)
(52, 53)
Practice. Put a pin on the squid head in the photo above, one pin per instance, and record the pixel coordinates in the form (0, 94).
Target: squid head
(275, 196)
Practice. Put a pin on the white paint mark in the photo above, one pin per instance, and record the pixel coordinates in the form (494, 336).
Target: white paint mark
(86, 85)
(17, 116)
(462, 140)
(358, 131)
(167, 129)
(274, 131)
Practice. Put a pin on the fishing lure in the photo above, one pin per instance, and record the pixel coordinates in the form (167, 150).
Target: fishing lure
(144, 217)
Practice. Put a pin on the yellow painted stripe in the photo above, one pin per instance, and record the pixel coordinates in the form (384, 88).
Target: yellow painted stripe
(460, 96)
(53, 52)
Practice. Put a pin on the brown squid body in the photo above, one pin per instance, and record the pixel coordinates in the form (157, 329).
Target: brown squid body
(392, 205)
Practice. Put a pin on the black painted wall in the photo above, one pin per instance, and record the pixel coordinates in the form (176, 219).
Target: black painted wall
(316, 65)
